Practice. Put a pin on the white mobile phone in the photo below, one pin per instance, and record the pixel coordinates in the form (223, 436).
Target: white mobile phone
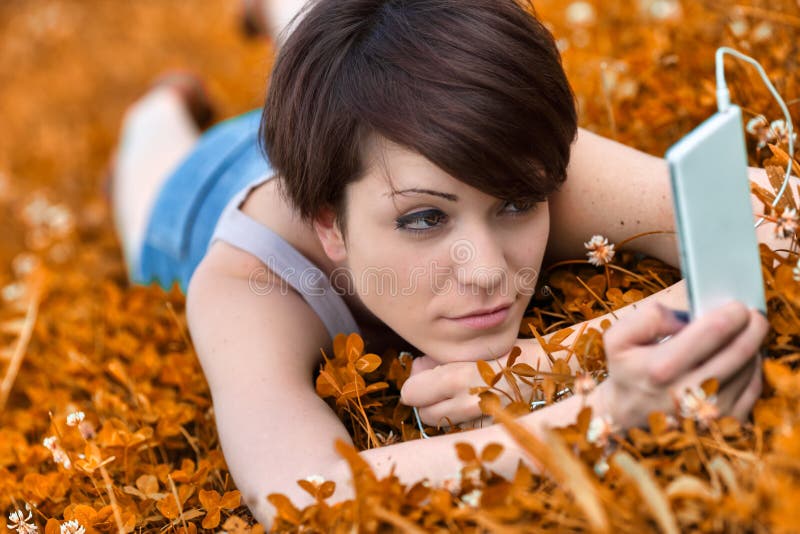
(714, 215)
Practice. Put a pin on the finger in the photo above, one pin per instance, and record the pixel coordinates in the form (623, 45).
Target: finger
(700, 339)
(431, 386)
(451, 411)
(740, 352)
(644, 327)
(744, 405)
(479, 422)
(423, 363)
(729, 393)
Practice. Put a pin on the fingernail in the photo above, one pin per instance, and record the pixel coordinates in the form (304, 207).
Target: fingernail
(682, 316)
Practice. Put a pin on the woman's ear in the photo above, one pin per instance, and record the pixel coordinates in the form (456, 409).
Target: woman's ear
(329, 235)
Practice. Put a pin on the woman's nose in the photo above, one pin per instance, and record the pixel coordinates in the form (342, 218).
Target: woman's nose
(479, 261)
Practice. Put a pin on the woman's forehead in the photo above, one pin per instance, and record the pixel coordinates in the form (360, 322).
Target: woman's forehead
(392, 167)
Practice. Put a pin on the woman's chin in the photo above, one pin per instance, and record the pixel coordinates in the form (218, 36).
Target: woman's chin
(483, 348)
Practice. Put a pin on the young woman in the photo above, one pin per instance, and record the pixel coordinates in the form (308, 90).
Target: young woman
(426, 160)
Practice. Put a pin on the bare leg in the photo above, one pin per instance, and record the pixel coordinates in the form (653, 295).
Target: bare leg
(158, 132)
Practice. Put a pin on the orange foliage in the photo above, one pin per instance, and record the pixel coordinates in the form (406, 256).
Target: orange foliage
(144, 456)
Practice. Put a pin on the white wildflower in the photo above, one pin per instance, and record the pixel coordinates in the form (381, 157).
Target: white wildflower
(695, 404)
(756, 125)
(50, 442)
(24, 263)
(739, 27)
(473, 498)
(60, 456)
(601, 467)
(759, 128)
(59, 220)
(665, 9)
(780, 132)
(72, 527)
(21, 523)
(762, 32)
(75, 418)
(581, 14)
(786, 223)
(317, 480)
(600, 430)
(472, 475)
(13, 291)
(600, 251)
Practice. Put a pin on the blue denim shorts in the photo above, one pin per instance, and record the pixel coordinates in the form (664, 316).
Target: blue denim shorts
(225, 160)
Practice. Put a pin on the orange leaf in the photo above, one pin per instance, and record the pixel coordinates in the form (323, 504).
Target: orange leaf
(231, 500)
(558, 338)
(487, 373)
(210, 499)
(465, 452)
(368, 363)
(284, 508)
(354, 347)
(52, 526)
(491, 452)
(513, 355)
(523, 369)
(211, 520)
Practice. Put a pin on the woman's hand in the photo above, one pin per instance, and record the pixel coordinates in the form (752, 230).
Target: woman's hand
(441, 391)
(646, 376)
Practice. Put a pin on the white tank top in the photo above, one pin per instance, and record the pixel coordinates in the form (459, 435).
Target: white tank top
(243, 232)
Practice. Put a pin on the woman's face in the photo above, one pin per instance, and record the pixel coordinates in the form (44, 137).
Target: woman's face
(436, 250)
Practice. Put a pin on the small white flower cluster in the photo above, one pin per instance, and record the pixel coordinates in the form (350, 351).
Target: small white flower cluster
(72, 527)
(473, 498)
(78, 419)
(56, 218)
(75, 418)
(786, 224)
(60, 456)
(21, 523)
(769, 133)
(584, 383)
(316, 480)
(470, 476)
(600, 430)
(580, 14)
(695, 404)
(600, 251)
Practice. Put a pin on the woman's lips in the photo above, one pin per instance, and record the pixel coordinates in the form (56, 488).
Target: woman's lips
(487, 320)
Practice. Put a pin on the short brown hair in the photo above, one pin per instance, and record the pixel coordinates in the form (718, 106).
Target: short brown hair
(475, 86)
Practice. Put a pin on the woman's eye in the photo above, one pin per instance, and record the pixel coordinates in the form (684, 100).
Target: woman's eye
(517, 208)
(420, 221)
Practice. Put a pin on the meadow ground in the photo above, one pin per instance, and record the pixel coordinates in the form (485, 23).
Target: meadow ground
(74, 337)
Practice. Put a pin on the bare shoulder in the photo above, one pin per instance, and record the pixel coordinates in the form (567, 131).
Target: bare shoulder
(265, 205)
(234, 322)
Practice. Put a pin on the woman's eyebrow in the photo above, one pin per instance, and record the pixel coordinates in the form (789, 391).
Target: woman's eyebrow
(447, 196)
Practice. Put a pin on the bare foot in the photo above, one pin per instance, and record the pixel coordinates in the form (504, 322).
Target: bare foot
(191, 92)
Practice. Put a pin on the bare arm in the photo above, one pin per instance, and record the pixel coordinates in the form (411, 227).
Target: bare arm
(618, 191)
(258, 353)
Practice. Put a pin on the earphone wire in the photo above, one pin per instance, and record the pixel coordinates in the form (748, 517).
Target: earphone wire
(724, 101)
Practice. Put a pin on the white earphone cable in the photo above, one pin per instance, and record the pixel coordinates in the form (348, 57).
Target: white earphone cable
(724, 101)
